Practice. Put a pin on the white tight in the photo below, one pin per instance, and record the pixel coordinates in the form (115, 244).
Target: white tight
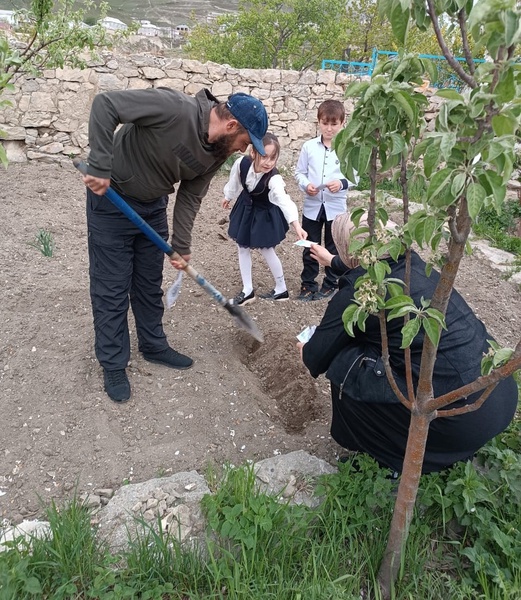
(273, 262)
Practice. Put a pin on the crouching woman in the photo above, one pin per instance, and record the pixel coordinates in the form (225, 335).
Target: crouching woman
(367, 415)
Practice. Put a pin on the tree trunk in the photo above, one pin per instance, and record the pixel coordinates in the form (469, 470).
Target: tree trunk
(404, 507)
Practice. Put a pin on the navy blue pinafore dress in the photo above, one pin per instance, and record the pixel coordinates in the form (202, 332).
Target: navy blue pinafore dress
(254, 221)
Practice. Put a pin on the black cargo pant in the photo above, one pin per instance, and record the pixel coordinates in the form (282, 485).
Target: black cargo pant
(125, 267)
(311, 267)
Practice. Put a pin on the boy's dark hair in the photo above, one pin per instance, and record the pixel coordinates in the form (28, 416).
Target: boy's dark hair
(331, 110)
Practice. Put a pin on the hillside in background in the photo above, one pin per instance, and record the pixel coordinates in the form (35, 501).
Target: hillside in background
(159, 12)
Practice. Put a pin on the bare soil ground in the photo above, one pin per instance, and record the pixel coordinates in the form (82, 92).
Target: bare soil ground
(241, 400)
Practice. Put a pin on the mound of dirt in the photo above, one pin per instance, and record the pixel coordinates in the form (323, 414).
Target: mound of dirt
(241, 400)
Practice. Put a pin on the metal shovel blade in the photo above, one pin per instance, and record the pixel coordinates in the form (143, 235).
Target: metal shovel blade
(243, 320)
(240, 316)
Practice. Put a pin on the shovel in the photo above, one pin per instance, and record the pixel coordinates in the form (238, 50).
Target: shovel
(241, 318)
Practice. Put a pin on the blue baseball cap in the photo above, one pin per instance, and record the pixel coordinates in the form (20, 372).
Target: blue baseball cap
(251, 114)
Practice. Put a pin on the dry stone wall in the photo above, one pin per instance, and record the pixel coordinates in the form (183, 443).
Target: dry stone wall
(48, 116)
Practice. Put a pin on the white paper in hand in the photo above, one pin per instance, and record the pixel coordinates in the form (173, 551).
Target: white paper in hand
(173, 292)
(304, 243)
(305, 335)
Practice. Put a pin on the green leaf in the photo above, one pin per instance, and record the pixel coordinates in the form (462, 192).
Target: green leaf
(379, 271)
(437, 315)
(421, 148)
(356, 88)
(364, 158)
(458, 183)
(433, 330)
(502, 356)
(394, 247)
(443, 119)
(475, 198)
(511, 23)
(32, 586)
(430, 69)
(382, 215)
(431, 224)
(410, 331)
(431, 159)
(506, 88)
(448, 141)
(486, 365)
(399, 300)
(450, 95)
(504, 125)
(406, 104)
(351, 129)
(394, 289)
(497, 148)
(439, 181)
(399, 22)
(435, 241)
(362, 317)
(496, 185)
(348, 318)
(397, 313)
(398, 143)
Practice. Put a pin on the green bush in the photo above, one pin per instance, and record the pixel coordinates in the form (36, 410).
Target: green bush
(500, 228)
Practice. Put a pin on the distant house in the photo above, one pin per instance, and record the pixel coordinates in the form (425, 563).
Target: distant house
(182, 29)
(112, 24)
(169, 32)
(148, 29)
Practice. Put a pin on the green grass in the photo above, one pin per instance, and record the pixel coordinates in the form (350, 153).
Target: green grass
(464, 543)
(499, 229)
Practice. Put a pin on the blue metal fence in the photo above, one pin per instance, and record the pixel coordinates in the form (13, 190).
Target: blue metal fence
(446, 77)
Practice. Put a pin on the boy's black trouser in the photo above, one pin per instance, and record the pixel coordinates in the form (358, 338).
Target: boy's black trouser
(311, 267)
(125, 268)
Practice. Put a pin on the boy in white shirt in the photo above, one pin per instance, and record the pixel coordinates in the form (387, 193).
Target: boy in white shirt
(325, 187)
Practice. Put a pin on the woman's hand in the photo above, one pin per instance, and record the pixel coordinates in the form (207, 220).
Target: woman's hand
(300, 346)
(225, 203)
(321, 255)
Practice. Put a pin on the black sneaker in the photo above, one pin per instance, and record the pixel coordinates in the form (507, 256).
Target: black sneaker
(241, 298)
(276, 297)
(117, 385)
(306, 295)
(325, 292)
(169, 358)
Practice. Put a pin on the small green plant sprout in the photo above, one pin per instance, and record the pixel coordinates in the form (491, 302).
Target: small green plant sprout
(44, 242)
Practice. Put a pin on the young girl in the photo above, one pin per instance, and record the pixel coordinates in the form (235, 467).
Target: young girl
(260, 217)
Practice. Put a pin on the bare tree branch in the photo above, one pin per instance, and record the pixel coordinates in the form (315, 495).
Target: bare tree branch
(460, 72)
(480, 383)
(387, 364)
(462, 19)
(467, 408)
